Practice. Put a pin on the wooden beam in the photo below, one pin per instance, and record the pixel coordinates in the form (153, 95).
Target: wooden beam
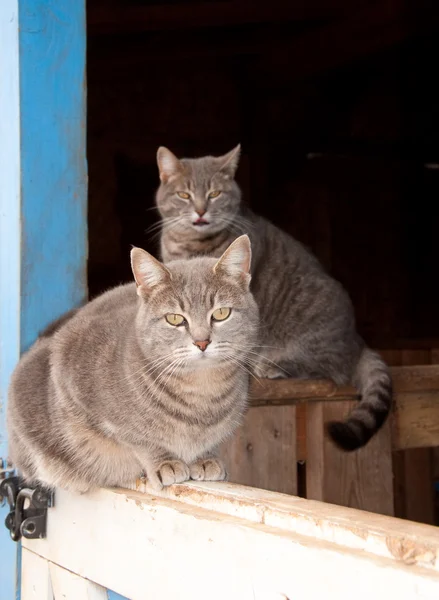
(292, 391)
(268, 544)
(416, 420)
(412, 468)
(358, 530)
(416, 403)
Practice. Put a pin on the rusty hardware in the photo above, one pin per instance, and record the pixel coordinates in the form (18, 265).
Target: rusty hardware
(28, 506)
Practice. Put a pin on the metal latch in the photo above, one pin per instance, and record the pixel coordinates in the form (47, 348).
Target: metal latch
(27, 515)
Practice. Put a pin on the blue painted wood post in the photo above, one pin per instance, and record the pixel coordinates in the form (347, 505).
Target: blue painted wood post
(113, 596)
(43, 187)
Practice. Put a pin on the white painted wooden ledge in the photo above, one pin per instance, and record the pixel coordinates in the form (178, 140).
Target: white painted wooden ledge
(210, 541)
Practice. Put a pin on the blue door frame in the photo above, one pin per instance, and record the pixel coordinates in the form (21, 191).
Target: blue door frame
(43, 188)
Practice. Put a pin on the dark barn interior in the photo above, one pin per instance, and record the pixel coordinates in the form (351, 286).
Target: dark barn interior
(336, 107)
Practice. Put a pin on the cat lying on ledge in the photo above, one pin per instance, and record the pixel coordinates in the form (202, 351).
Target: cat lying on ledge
(151, 382)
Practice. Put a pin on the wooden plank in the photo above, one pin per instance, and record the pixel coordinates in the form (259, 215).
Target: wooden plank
(415, 413)
(416, 420)
(256, 546)
(362, 479)
(415, 357)
(263, 451)
(416, 402)
(381, 535)
(414, 485)
(419, 491)
(301, 432)
(35, 578)
(416, 423)
(68, 586)
(292, 391)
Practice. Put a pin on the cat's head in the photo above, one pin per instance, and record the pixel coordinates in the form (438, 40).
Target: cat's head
(196, 313)
(198, 195)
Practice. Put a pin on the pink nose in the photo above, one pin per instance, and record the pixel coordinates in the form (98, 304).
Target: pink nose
(202, 345)
(201, 212)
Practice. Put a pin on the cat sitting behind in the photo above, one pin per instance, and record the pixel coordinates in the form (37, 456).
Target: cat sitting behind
(307, 319)
(149, 382)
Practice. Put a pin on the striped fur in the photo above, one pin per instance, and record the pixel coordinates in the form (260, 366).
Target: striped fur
(307, 320)
(113, 390)
(372, 378)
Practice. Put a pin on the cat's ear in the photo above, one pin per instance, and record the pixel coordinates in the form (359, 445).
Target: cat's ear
(147, 270)
(236, 260)
(229, 162)
(168, 164)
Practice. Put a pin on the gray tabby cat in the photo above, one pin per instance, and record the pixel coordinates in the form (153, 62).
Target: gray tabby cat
(308, 324)
(150, 382)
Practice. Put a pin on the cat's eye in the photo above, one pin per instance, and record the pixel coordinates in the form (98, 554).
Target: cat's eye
(221, 314)
(174, 319)
(183, 195)
(214, 194)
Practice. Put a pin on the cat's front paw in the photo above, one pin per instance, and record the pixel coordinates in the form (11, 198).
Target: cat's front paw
(208, 469)
(167, 473)
(173, 471)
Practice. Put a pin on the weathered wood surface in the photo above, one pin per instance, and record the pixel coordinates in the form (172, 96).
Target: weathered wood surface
(416, 420)
(68, 586)
(361, 479)
(383, 536)
(35, 577)
(44, 580)
(263, 450)
(413, 468)
(408, 379)
(180, 543)
(416, 402)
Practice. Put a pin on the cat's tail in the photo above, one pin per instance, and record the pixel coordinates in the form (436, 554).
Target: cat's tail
(372, 379)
